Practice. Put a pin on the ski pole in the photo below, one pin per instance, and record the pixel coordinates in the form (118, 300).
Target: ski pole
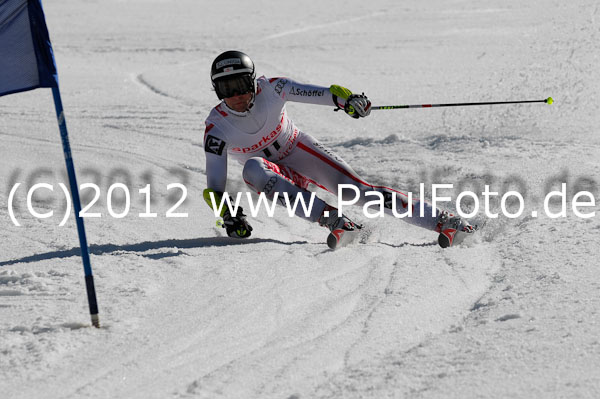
(548, 101)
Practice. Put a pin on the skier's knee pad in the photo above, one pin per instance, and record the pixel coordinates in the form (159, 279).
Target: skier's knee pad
(254, 172)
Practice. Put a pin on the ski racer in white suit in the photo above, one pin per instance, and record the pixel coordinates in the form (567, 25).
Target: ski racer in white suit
(252, 126)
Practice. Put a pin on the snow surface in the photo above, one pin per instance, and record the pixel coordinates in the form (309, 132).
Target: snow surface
(189, 313)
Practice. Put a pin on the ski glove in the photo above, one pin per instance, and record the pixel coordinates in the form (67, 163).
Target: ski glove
(236, 226)
(358, 106)
(355, 105)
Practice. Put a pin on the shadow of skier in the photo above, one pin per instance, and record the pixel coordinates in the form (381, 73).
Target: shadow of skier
(148, 246)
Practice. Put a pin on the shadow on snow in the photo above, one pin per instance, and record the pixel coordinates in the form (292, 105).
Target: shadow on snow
(147, 246)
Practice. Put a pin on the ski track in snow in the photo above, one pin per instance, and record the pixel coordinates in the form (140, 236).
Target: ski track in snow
(327, 25)
(190, 313)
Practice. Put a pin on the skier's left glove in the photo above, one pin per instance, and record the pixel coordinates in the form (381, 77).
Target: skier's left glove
(355, 105)
(236, 226)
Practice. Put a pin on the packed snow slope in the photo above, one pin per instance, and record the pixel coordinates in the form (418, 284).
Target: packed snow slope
(187, 312)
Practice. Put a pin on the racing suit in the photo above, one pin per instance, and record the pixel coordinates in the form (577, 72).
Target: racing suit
(279, 157)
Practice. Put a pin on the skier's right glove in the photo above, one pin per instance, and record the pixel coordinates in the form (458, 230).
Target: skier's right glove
(236, 226)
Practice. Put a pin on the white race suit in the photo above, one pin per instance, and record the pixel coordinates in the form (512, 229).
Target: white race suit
(278, 157)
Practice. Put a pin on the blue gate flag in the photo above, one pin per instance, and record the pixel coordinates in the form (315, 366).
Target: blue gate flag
(26, 63)
(26, 57)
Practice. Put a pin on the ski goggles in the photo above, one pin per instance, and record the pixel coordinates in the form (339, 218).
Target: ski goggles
(234, 86)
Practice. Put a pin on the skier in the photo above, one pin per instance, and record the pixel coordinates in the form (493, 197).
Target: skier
(252, 126)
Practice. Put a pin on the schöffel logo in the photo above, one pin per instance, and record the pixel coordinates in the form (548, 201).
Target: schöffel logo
(214, 145)
(229, 61)
(306, 93)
